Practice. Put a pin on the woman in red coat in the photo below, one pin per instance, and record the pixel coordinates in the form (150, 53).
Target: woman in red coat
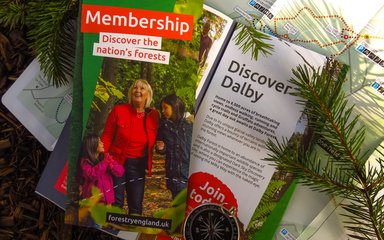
(129, 136)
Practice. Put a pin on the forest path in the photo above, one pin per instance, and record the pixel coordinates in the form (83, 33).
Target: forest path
(156, 194)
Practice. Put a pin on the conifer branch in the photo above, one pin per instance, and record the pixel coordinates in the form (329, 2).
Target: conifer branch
(50, 28)
(252, 40)
(343, 171)
(12, 14)
(53, 35)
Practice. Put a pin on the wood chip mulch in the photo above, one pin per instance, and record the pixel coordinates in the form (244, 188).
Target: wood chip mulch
(24, 214)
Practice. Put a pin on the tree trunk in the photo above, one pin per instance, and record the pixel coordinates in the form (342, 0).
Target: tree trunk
(146, 71)
(109, 70)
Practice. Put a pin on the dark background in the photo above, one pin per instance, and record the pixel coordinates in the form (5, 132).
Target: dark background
(24, 214)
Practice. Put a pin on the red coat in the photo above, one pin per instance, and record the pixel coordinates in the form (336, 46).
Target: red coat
(118, 126)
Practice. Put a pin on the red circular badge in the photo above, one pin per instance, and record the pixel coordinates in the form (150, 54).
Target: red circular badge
(206, 188)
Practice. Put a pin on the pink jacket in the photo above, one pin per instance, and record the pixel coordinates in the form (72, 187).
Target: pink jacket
(100, 176)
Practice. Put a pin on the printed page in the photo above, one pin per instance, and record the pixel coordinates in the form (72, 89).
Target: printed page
(328, 224)
(326, 218)
(52, 184)
(327, 27)
(39, 105)
(278, 194)
(219, 27)
(369, 45)
(247, 103)
(246, 11)
(139, 72)
(350, 32)
(364, 86)
(302, 209)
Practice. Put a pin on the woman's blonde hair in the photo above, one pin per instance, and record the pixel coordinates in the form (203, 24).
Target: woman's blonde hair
(144, 83)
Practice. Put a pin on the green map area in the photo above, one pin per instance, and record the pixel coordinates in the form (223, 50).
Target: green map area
(349, 31)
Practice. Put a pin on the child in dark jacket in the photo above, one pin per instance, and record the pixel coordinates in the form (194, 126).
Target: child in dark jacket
(174, 139)
(97, 168)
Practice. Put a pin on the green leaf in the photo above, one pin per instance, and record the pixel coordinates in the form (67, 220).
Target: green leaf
(176, 212)
(99, 212)
(189, 7)
(180, 198)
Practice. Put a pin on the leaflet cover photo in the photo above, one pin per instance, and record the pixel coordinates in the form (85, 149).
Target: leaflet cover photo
(139, 77)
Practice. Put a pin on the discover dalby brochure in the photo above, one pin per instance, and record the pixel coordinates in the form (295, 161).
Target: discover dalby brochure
(330, 28)
(247, 102)
(126, 48)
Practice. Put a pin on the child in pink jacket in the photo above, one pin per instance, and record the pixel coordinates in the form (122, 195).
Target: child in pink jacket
(97, 169)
